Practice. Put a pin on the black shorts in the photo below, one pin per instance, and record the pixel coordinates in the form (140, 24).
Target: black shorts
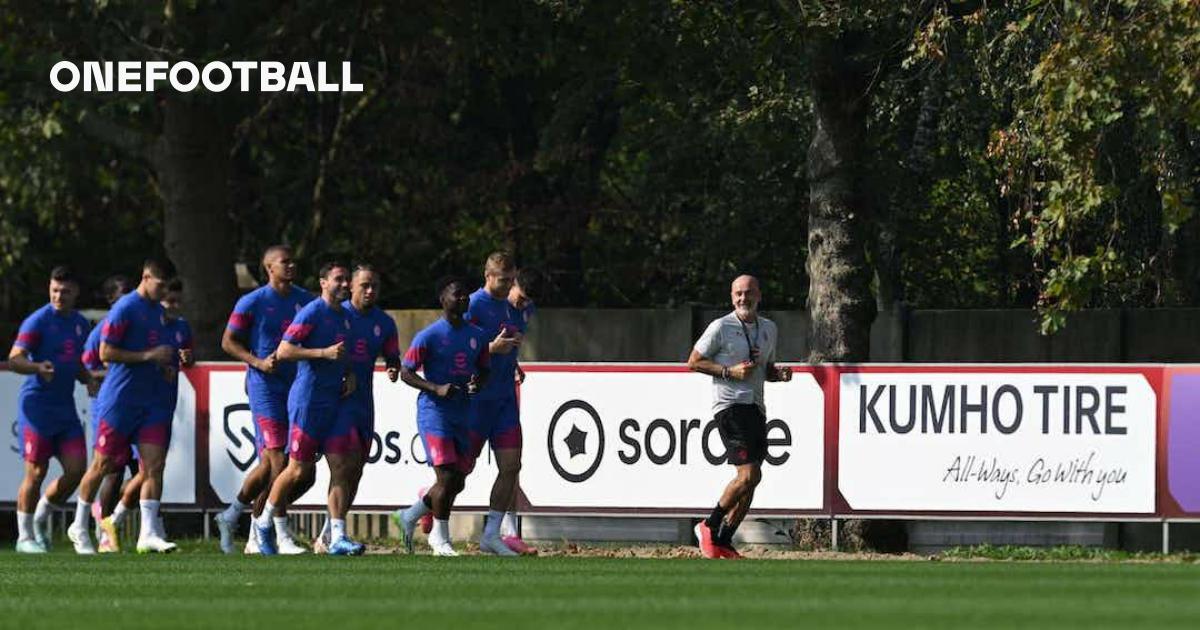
(743, 430)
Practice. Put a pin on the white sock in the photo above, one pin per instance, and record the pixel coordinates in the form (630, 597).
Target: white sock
(491, 527)
(337, 529)
(441, 530)
(42, 512)
(160, 528)
(509, 526)
(268, 513)
(281, 526)
(83, 510)
(149, 518)
(119, 513)
(233, 512)
(415, 511)
(24, 526)
(325, 530)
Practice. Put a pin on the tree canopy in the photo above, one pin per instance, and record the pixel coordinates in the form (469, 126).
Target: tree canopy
(1039, 154)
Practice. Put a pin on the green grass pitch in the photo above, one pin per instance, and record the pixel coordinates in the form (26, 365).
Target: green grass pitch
(199, 588)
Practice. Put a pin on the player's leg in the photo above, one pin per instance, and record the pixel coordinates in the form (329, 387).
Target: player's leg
(154, 459)
(309, 428)
(745, 427)
(72, 456)
(111, 452)
(508, 463)
(484, 425)
(343, 467)
(442, 453)
(440, 498)
(127, 502)
(36, 452)
(731, 427)
(281, 492)
(361, 424)
(270, 439)
(507, 442)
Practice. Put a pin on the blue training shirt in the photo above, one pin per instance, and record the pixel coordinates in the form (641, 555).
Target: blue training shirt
(318, 381)
(49, 335)
(494, 315)
(261, 317)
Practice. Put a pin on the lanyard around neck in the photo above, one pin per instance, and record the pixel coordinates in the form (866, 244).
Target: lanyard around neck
(746, 331)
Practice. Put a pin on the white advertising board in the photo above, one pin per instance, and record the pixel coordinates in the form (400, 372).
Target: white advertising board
(647, 441)
(179, 477)
(1010, 442)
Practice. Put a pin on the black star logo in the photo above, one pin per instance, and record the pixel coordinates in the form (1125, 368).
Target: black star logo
(576, 441)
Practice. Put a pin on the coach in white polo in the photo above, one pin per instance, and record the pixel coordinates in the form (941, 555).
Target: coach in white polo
(738, 351)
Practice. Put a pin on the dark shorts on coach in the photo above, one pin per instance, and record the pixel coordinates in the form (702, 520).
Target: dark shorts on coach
(743, 430)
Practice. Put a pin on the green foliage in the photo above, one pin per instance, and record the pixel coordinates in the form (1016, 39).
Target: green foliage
(1036, 154)
(1108, 110)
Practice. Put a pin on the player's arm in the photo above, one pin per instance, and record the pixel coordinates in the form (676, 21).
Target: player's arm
(413, 360)
(292, 348)
(19, 362)
(232, 344)
(187, 358)
(28, 337)
(292, 351)
(110, 353)
(483, 369)
(699, 363)
(776, 373)
(414, 380)
(113, 334)
(391, 352)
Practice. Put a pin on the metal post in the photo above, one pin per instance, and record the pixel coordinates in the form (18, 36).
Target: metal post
(833, 533)
(1166, 536)
(207, 525)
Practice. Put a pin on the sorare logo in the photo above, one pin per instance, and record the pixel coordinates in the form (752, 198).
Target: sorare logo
(577, 443)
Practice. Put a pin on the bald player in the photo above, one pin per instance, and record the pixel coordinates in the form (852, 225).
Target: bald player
(738, 351)
(255, 329)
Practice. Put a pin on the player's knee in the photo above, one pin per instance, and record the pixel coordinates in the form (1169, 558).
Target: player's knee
(36, 472)
(754, 475)
(457, 483)
(153, 467)
(509, 468)
(72, 473)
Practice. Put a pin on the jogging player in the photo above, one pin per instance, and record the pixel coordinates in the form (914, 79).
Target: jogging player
(111, 499)
(495, 415)
(48, 348)
(316, 339)
(372, 334)
(178, 334)
(133, 344)
(453, 357)
(255, 329)
(738, 351)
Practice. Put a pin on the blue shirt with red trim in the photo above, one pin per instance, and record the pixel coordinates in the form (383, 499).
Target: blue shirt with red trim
(494, 315)
(49, 335)
(91, 348)
(372, 334)
(260, 318)
(179, 336)
(447, 354)
(134, 324)
(318, 381)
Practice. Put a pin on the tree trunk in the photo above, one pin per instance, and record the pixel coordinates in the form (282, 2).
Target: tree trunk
(841, 307)
(192, 162)
(840, 303)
